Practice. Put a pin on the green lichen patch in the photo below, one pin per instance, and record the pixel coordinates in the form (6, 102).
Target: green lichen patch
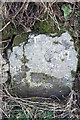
(20, 38)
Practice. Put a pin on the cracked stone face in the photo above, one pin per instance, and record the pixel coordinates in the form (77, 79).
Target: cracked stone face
(43, 66)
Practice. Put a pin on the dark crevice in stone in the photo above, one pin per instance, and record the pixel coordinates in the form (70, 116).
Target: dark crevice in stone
(5, 56)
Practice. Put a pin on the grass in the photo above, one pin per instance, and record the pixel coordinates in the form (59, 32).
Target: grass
(20, 115)
(39, 109)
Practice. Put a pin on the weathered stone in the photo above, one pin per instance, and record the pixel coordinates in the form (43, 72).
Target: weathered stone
(4, 68)
(43, 66)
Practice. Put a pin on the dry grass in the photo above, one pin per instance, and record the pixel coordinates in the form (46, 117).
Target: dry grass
(24, 14)
(46, 108)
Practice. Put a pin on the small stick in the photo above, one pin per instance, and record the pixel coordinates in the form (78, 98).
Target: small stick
(4, 26)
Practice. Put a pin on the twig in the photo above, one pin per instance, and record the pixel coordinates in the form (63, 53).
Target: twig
(4, 112)
(5, 26)
(6, 41)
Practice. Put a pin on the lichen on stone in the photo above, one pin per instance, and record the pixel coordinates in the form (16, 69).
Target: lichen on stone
(44, 66)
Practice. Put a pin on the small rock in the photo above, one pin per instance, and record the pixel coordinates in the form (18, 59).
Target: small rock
(47, 68)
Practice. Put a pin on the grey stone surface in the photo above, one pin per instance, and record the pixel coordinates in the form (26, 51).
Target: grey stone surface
(43, 66)
(4, 67)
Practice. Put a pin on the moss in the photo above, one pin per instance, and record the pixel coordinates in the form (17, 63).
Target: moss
(66, 54)
(68, 79)
(31, 73)
(43, 27)
(45, 82)
(78, 56)
(55, 78)
(76, 47)
(45, 75)
(31, 80)
(47, 27)
(33, 99)
(71, 32)
(13, 83)
(9, 31)
(57, 42)
(2, 69)
(8, 82)
(20, 38)
(73, 73)
(24, 76)
(14, 76)
(24, 59)
(58, 32)
(62, 60)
